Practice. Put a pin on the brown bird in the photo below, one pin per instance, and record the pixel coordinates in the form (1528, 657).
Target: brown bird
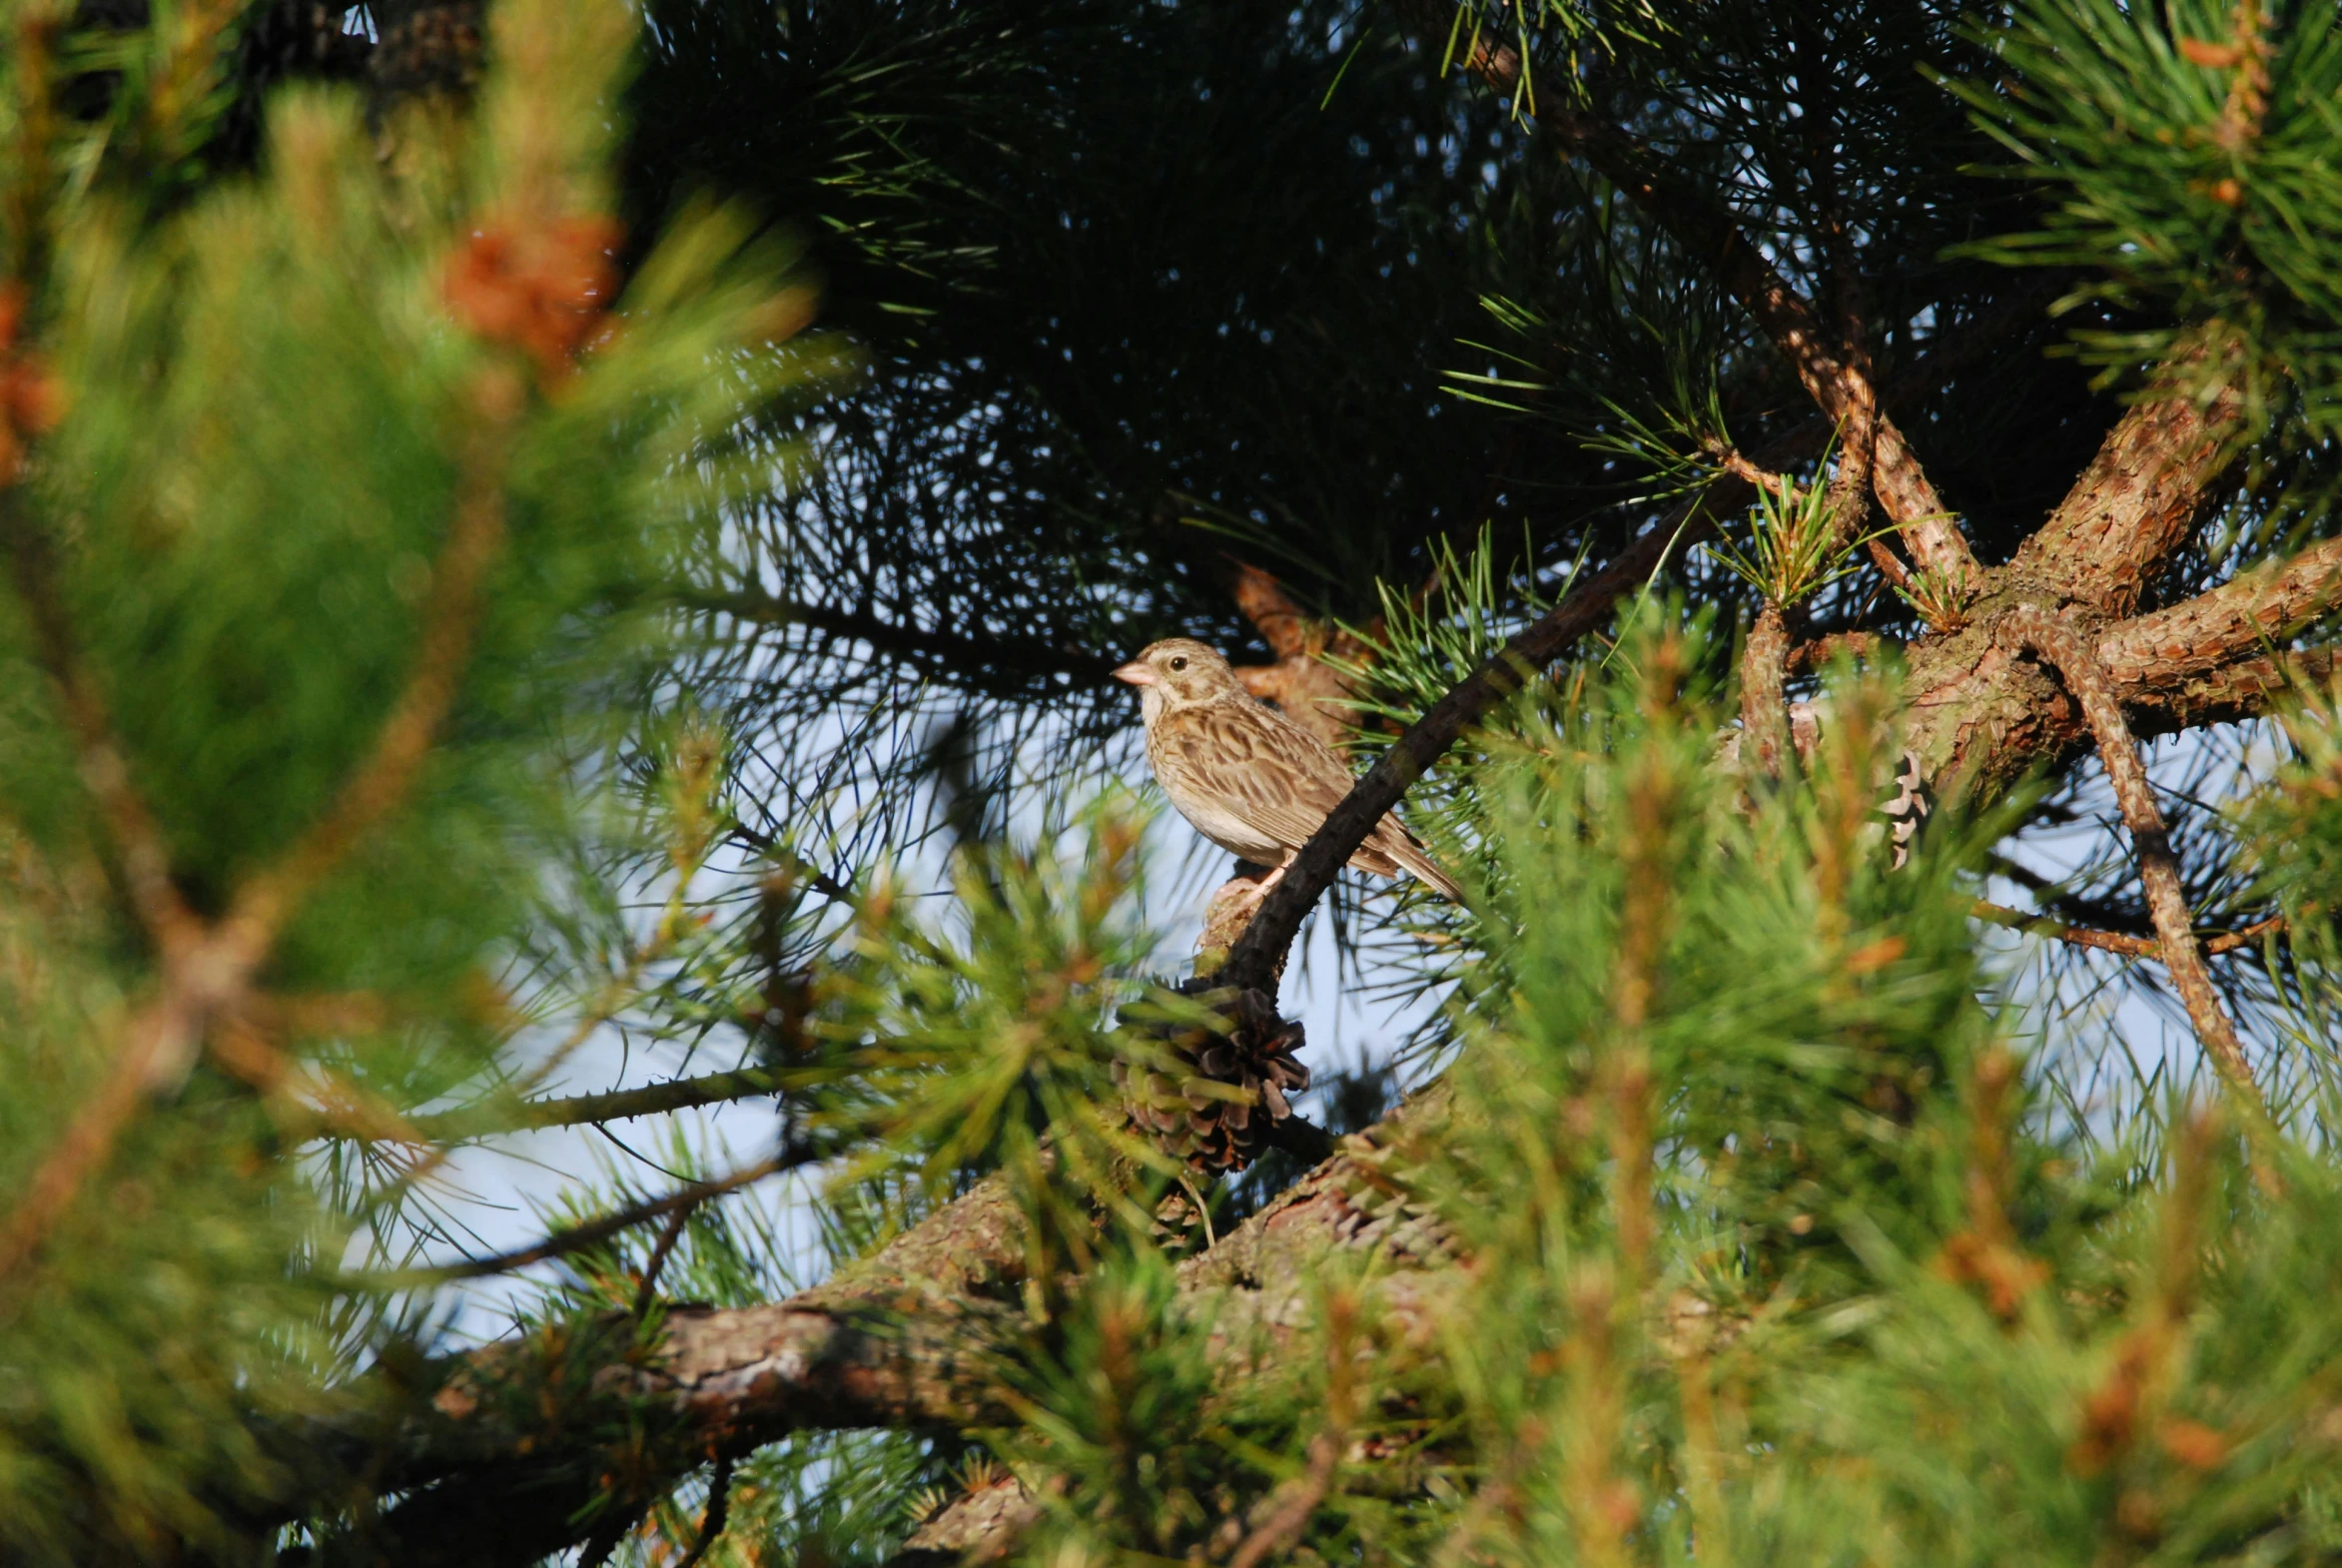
(1249, 778)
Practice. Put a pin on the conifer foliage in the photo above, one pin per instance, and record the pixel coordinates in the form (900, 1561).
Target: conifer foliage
(565, 539)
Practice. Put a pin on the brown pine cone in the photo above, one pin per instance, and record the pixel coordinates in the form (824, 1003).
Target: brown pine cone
(1213, 1131)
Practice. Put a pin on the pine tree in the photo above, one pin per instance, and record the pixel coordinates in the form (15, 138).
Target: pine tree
(549, 523)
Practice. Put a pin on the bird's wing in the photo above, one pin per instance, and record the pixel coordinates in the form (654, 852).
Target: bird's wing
(1390, 850)
(1281, 782)
(1259, 766)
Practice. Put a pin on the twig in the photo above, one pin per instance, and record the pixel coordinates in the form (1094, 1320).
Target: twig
(1733, 461)
(820, 881)
(1290, 1516)
(669, 1235)
(579, 1236)
(238, 1047)
(2121, 941)
(89, 1139)
(2159, 871)
(613, 997)
(1706, 228)
(719, 1509)
(614, 1106)
(140, 857)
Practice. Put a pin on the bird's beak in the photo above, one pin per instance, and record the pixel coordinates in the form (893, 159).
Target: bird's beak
(1136, 674)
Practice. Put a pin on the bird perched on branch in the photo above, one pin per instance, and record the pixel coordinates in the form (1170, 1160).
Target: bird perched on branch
(1249, 778)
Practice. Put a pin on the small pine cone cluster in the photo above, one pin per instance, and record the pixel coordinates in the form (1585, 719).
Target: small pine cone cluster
(1210, 1130)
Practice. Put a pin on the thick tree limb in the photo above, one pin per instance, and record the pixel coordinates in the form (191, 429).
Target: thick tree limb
(2134, 505)
(521, 1421)
(980, 1525)
(909, 1338)
(1764, 707)
(2259, 607)
(2244, 690)
(2063, 647)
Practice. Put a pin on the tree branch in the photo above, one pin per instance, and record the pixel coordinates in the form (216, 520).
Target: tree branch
(139, 856)
(2122, 942)
(1258, 957)
(719, 1513)
(1764, 705)
(980, 1525)
(207, 969)
(613, 1105)
(577, 1238)
(2135, 503)
(914, 645)
(2258, 607)
(2244, 690)
(910, 1337)
(2061, 645)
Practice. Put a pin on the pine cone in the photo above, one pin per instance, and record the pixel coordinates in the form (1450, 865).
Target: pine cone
(1259, 1057)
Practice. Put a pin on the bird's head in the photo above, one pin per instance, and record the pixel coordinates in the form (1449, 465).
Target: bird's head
(1178, 672)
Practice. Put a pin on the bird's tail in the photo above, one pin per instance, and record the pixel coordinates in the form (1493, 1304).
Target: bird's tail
(1416, 861)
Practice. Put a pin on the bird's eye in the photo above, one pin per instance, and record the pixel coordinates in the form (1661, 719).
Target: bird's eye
(1179, 663)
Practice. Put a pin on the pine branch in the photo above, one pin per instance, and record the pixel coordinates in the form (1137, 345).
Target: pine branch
(577, 1238)
(2138, 500)
(207, 969)
(139, 858)
(1764, 703)
(2057, 642)
(2125, 943)
(719, 1512)
(980, 1525)
(663, 1248)
(618, 1104)
(957, 649)
(908, 1337)
(2258, 607)
(796, 865)
(450, 621)
(2244, 690)
(1258, 957)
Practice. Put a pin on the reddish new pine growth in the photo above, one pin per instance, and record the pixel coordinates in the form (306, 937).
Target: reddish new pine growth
(542, 289)
(28, 394)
